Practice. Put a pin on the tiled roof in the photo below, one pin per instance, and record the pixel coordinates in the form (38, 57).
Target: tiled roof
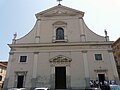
(3, 64)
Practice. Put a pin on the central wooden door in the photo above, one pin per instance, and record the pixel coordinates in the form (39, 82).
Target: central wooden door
(20, 81)
(60, 77)
(101, 78)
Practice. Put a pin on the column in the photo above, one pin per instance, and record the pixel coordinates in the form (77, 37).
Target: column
(36, 54)
(8, 71)
(52, 77)
(82, 33)
(87, 78)
(68, 77)
(115, 73)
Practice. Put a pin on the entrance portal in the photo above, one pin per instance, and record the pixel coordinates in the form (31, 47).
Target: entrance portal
(60, 77)
(20, 81)
(101, 78)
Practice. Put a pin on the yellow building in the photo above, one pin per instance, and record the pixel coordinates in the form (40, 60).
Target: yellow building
(3, 66)
(116, 47)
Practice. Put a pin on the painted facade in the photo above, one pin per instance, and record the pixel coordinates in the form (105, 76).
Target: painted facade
(60, 52)
(116, 47)
(3, 67)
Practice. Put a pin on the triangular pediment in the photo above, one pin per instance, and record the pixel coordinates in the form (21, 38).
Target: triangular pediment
(60, 58)
(59, 10)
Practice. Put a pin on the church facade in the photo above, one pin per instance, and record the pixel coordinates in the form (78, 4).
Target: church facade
(60, 52)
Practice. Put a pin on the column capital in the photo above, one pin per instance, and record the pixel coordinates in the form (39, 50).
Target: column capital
(80, 18)
(38, 19)
(82, 35)
(84, 51)
(37, 36)
(11, 53)
(110, 51)
(36, 52)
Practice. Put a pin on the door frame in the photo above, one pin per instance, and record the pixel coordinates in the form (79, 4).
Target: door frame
(60, 61)
(101, 73)
(18, 73)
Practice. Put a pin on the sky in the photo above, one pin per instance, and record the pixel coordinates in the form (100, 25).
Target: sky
(18, 16)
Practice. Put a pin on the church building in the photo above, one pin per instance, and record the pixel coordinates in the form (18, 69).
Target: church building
(60, 52)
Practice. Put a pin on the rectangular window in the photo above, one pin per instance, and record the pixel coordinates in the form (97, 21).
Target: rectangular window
(23, 58)
(98, 56)
(0, 78)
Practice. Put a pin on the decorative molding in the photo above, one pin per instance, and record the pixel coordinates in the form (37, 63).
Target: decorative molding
(64, 40)
(60, 23)
(85, 51)
(38, 19)
(11, 53)
(110, 51)
(82, 35)
(80, 18)
(37, 36)
(36, 52)
(65, 44)
(21, 72)
(60, 58)
(101, 70)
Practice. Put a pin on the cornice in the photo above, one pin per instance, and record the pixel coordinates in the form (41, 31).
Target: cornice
(59, 44)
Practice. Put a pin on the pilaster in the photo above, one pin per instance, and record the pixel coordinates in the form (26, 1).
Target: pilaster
(68, 77)
(52, 77)
(82, 32)
(37, 37)
(33, 80)
(86, 69)
(82, 38)
(5, 87)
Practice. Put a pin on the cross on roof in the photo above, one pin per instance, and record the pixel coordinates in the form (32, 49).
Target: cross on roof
(59, 1)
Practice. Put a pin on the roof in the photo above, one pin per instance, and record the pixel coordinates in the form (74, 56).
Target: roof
(3, 64)
(59, 10)
(117, 41)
